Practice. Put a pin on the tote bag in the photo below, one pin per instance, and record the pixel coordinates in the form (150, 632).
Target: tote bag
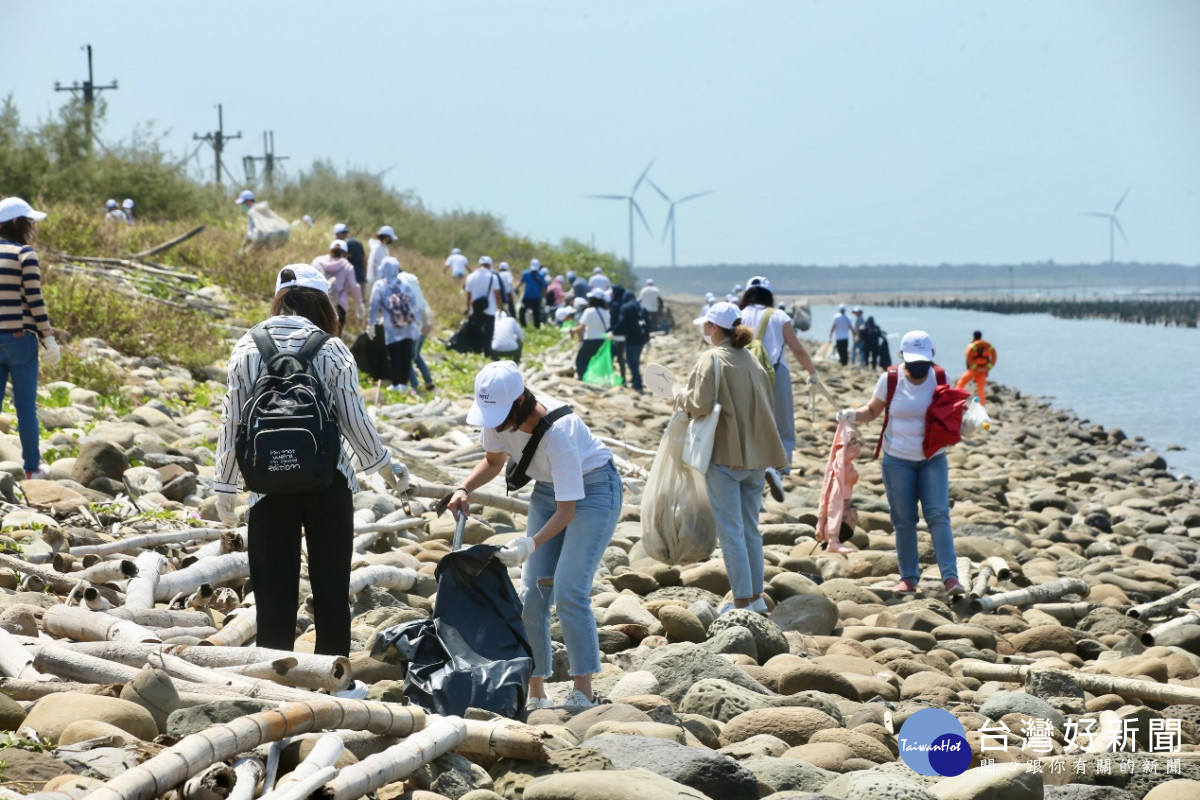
(702, 433)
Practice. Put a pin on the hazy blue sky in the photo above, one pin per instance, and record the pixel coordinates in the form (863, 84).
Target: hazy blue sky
(834, 132)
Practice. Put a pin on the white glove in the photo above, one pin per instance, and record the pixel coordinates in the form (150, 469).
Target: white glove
(227, 509)
(395, 475)
(370, 332)
(517, 551)
(846, 415)
(814, 378)
(53, 352)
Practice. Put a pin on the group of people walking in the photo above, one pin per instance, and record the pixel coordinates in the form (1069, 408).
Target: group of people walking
(858, 340)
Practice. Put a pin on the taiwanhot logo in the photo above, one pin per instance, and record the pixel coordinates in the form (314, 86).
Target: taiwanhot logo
(933, 742)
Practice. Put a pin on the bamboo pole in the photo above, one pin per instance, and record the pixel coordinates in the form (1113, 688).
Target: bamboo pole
(179, 631)
(1190, 618)
(107, 571)
(200, 676)
(507, 739)
(147, 540)
(93, 600)
(399, 578)
(140, 591)
(1043, 592)
(396, 762)
(1097, 684)
(27, 690)
(437, 491)
(305, 787)
(300, 673)
(175, 765)
(1165, 604)
(57, 581)
(93, 626)
(215, 570)
(237, 630)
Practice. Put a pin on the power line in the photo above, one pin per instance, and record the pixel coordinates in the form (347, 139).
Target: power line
(89, 89)
(217, 139)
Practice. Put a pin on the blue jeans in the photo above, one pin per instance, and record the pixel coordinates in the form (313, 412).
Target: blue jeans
(736, 497)
(926, 481)
(419, 363)
(19, 360)
(633, 354)
(560, 572)
(858, 354)
(785, 411)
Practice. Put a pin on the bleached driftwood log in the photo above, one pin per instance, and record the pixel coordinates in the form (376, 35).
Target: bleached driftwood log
(298, 671)
(140, 591)
(1164, 604)
(131, 544)
(396, 762)
(83, 625)
(999, 567)
(1097, 684)
(502, 502)
(115, 570)
(28, 690)
(161, 617)
(238, 629)
(16, 661)
(214, 570)
(1190, 618)
(399, 578)
(214, 783)
(324, 753)
(57, 581)
(248, 772)
(1040, 593)
(175, 765)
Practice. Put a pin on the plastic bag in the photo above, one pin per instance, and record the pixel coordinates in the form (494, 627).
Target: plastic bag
(677, 521)
(600, 369)
(474, 652)
(270, 229)
(975, 418)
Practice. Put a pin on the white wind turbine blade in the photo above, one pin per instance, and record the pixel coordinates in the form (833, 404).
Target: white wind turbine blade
(641, 216)
(1087, 214)
(608, 196)
(1117, 207)
(661, 193)
(1120, 230)
(693, 196)
(642, 177)
(670, 221)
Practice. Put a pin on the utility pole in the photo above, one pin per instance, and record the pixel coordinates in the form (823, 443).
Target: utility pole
(217, 139)
(90, 90)
(268, 158)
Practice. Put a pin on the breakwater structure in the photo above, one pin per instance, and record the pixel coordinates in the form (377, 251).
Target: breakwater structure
(1181, 311)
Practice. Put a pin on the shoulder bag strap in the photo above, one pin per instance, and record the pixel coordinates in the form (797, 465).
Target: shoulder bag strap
(535, 439)
(893, 378)
(716, 377)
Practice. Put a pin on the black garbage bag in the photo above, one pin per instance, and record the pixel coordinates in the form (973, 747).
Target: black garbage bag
(474, 652)
(371, 354)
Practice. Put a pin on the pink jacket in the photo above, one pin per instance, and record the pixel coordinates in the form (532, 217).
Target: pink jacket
(838, 486)
(344, 286)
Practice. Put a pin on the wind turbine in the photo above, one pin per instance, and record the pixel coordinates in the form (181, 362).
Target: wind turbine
(633, 206)
(671, 212)
(1114, 225)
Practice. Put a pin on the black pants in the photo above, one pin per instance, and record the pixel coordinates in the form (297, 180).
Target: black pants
(534, 305)
(618, 350)
(633, 354)
(400, 361)
(871, 355)
(587, 349)
(843, 351)
(327, 518)
(487, 332)
(341, 312)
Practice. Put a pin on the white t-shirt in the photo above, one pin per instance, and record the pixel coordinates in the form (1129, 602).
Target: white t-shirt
(457, 263)
(508, 334)
(773, 336)
(595, 322)
(600, 281)
(649, 297)
(905, 432)
(483, 282)
(377, 252)
(841, 326)
(568, 452)
(507, 279)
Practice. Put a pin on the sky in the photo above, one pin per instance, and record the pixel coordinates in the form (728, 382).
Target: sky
(846, 132)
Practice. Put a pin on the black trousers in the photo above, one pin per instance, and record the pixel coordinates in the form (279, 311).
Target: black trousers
(327, 519)
(400, 356)
(534, 305)
(633, 354)
(487, 331)
(843, 351)
(587, 349)
(618, 350)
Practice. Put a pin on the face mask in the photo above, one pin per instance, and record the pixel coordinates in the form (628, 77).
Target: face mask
(918, 369)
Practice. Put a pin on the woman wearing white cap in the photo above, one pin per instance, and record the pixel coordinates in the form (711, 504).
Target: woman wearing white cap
(746, 445)
(301, 309)
(573, 511)
(908, 476)
(775, 330)
(340, 273)
(395, 304)
(594, 324)
(25, 325)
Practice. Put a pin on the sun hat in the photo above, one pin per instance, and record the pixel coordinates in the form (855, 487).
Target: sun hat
(596, 270)
(307, 277)
(580, 302)
(454, 251)
(13, 207)
(535, 264)
(496, 387)
(485, 261)
(127, 203)
(649, 281)
(916, 346)
(857, 309)
(111, 204)
(599, 294)
(723, 315)
(386, 230)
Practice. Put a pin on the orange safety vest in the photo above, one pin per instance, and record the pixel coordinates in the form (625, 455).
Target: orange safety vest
(981, 356)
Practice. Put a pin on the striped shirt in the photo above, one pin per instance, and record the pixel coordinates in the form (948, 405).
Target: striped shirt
(21, 304)
(335, 366)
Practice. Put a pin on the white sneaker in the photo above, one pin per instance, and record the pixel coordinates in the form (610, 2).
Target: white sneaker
(534, 703)
(758, 605)
(725, 609)
(577, 699)
(37, 475)
(775, 484)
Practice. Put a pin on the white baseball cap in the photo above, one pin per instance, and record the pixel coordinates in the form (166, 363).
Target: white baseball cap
(307, 277)
(709, 296)
(535, 264)
(857, 309)
(504, 266)
(758, 280)
(596, 270)
(485, 261)
(386, 230)
(127, 203)
(454, 251)
(496, 387)
(580, 302)
(111, 204)
(916, 346)
(13, 207)
(723, 315)
(841, 306)
(649, 281)
(341, 227)
(562, 313)
(244, 196)
(338, 244)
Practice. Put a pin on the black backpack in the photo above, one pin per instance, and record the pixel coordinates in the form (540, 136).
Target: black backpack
(287, 440)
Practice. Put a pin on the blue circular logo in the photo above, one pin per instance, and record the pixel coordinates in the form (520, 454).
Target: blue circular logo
(933, 742)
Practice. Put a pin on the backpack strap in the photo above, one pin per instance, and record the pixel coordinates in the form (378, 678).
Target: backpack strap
(265, 344)
(893, 378)
(762, 324)
(535, 439)
(316, 340)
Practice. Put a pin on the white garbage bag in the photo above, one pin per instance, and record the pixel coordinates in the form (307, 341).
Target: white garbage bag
(269, 228)
(677, 521)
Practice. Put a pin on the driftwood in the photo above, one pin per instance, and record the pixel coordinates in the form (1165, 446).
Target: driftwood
(1190, 618)
(27, 690)
(140, 591)
(299, 672)
(161, 617)
(999, 567)
(167, 245)
(147, 540)
(399, 578)
(175, 765)
(248, 772)
(1164, 604)
(506, 739)
(305, 787)
(1041, 593)
(93, 626)
(1096, 684)
(982, 578)
(214, 783)
(57, 581)
(15, 660)
(238, 629)
(396, 762)
(325, 753)
(106, 571)
(436, 491)
(213, 570)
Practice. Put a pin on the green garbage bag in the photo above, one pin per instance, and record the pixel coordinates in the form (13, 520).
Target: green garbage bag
(600, 369)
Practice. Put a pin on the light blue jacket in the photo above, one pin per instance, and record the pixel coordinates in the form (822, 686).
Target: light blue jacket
(380, 291)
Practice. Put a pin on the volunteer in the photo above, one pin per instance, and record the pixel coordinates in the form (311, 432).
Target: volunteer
(533, 290)
(113, 212)
(25, 326)
(506, 280)
(483, 291)
(981, 357)
(343, 287)
(651, 300)
(615, 303)
(377, 251)
(839, 332)
(599, 280)
(633, 326)
(508, 339)
(246, 201)
(127, 207)
(858, 351)
(573, 511)
(594, 322)
(394, 303)
(774, 328)
(909, 477)
(747, 443)
(301, 308)
(457, 263)
(354, 254)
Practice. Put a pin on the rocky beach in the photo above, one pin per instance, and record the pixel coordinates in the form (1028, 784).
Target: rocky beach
(127, 623)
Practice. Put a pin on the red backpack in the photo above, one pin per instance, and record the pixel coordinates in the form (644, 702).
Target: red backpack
(943, 418)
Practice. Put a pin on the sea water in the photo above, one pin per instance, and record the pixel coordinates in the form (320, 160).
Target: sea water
(1143, 379)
